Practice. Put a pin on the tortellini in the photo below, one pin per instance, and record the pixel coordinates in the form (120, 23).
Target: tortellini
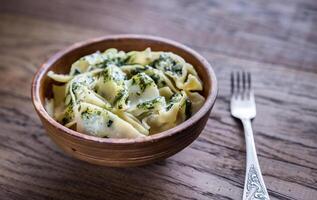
(116, 94)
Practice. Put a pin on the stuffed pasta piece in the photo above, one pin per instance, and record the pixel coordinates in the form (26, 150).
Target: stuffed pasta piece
(119, 94)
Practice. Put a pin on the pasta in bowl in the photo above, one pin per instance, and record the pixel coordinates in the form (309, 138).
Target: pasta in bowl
(116, 94)
(130, 104)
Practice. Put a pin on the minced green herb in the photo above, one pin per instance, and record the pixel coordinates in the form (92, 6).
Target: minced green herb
(137, 70)
(160, 82)
(142, 80)
(122, 94)
(150, 104)
(155, 77)
(116, 61)
(69, 113)
(177, 69)
(174, 99)
(113, 57)
(115, 80)
(75, 87)
(113, 74)
(169, 106)
(109, 123)
(168, 64)
(86, 114)
(164, 62)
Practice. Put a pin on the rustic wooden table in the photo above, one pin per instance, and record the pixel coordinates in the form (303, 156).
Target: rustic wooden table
(273, 39)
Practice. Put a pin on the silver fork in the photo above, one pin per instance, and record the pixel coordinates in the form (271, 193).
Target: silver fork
(242, 106)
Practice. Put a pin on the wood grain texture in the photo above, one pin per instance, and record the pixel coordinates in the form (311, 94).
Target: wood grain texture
(274, 39)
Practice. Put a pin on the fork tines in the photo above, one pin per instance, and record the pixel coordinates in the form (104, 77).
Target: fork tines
(241, 84)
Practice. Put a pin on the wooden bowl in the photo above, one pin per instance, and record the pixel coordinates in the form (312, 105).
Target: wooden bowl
(123, 152)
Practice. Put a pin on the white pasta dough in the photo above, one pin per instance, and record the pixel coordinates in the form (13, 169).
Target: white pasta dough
(100, 122)
(116, 94)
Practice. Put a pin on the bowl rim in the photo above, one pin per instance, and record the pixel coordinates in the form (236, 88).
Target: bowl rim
(45, 67)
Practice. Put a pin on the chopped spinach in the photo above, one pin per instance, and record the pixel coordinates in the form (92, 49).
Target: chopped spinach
(142, 80)
(149, 104)
(173, 99)
(168, 64)
(109, 123)
(121, 95)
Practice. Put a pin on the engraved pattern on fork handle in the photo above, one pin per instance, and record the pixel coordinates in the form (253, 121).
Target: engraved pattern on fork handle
(254, 187)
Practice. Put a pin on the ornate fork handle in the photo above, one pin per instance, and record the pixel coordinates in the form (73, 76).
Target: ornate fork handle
(254, 187)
